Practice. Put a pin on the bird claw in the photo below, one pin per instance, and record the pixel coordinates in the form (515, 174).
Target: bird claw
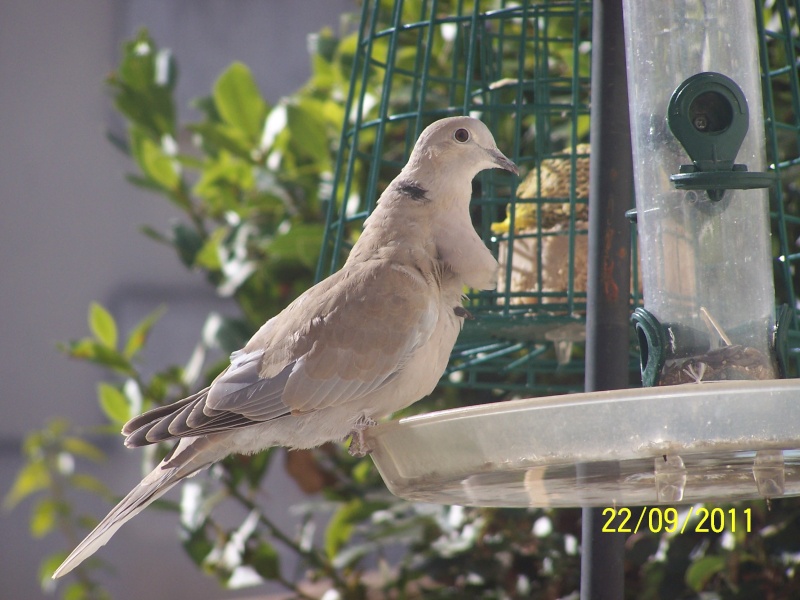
(358, 446)
(696, 374)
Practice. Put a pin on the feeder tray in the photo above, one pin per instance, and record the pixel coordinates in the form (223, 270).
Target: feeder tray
(707, 442)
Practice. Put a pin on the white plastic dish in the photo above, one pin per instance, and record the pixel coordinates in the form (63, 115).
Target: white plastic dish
(707, 442)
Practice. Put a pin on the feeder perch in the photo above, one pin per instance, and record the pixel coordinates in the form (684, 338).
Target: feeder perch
(709, 116)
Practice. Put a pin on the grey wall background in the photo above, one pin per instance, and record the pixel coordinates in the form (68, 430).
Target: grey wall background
(69, 235)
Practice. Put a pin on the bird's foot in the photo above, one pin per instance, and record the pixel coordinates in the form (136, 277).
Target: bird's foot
(695, 371)
(358, 446)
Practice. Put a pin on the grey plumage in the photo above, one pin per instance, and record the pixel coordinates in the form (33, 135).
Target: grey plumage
(365, 342)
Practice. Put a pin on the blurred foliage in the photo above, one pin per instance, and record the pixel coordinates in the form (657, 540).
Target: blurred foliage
(50, 474)
(251, 179)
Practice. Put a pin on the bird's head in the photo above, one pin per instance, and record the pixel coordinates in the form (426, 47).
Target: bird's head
(462, 143)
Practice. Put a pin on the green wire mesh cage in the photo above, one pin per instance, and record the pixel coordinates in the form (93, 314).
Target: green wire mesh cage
(524, 69)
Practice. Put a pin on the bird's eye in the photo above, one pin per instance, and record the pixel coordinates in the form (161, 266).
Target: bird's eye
(461, 135)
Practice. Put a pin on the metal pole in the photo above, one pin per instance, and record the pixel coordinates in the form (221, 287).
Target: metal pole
(608, 310)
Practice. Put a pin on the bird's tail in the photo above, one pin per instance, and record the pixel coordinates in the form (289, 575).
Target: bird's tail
(186, 459)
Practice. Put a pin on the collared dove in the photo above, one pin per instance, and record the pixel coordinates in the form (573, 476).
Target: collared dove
(367, 341)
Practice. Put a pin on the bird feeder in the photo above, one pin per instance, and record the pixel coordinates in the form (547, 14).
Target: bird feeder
(701, 200)
(711, 424)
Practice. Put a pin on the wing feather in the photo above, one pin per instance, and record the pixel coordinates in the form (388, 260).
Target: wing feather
(341, 341)
(364, 339)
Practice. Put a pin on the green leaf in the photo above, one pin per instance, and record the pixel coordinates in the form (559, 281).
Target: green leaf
(48, 566)
(79, 590)
(197, 544)
(145, 183)
(303, 241)
(205, 104)
(701, 571)
(155, 235)
(323, 43)
(217, 137)
(119, 142)
(82, 349)
(307, 129)
(32, 478)
(154, 162)
(102, 325)
(257, 467)
(208, 256)
(363, 471)
(342, 523)
(224, 182)
(239, 101)
(113, 403)
(84, 449)
(248, 468)
(265, 560)
(43, 517)
(226, 333)
(97, 352)
(108, 357)
(137, 68)
(90, 484)
(187, 242)
(143, 86)
(138, 336)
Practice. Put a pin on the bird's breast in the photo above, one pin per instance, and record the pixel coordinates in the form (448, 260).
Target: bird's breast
(465, 254)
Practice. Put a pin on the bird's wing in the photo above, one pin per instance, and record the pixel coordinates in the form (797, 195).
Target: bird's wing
(340, 341)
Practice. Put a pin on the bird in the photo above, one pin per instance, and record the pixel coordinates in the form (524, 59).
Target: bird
(369, 340)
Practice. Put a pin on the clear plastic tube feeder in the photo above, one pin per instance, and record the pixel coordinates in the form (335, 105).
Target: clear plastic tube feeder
(701, 199)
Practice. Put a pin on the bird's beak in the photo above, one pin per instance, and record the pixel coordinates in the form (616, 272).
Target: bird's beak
(502, 162)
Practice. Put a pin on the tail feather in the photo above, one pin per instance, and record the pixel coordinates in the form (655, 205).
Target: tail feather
(185, 461)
